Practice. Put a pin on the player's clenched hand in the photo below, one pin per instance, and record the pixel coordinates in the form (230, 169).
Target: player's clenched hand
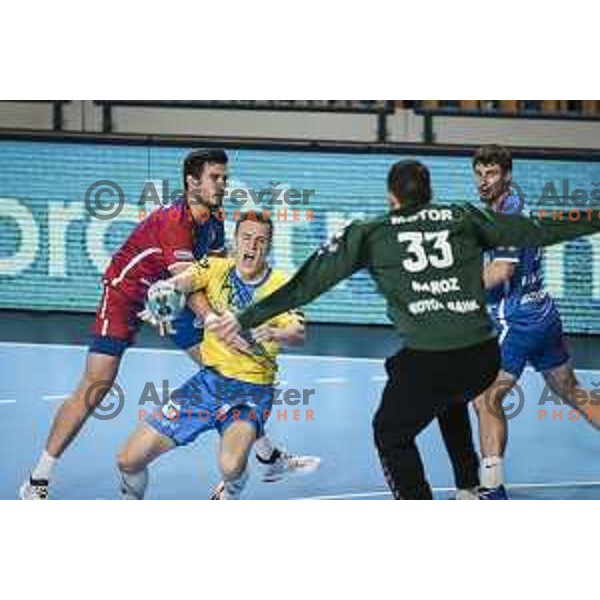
(265, 333)
(212, 322)
(241, 345)
(225, 326)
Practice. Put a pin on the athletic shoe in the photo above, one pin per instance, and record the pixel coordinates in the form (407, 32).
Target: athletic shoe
(495, 493)
(282, 463)
(218, 492)
(34, 489)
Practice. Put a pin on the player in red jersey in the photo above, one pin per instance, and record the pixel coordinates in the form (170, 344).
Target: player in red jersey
(156, 248)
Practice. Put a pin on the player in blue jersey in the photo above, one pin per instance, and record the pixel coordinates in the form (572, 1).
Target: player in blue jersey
(529, 325)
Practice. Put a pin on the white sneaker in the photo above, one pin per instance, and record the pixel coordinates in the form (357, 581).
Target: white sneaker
(127, 492)
(34, 489)
(218, 492)
(284, 463)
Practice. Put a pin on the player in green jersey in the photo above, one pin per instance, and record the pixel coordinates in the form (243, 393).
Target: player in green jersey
(426, 260)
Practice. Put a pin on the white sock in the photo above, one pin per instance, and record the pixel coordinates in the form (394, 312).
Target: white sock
(491, 472)
(234, 487)
(133, 485)
(264, 447)
(467, 494)
(44, 468)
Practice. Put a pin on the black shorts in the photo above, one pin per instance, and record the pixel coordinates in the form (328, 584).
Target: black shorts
(422, 383)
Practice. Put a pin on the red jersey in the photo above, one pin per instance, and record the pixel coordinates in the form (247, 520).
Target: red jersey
(166, 236)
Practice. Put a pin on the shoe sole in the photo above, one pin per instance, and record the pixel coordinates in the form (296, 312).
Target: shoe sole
(305, 470)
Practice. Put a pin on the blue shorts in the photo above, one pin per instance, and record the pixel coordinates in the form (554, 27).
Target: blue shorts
(187, 333)
(211, 401)
(542, 345)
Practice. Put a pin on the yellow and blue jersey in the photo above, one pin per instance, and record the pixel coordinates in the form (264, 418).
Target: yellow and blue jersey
(225, 290)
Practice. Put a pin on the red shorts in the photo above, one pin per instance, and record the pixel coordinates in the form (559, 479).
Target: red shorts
(116, 323)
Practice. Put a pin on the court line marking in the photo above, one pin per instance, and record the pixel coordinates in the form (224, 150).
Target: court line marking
(283, 357)
(330, 380)
(513, 486)
(52, 398)
(575, 484)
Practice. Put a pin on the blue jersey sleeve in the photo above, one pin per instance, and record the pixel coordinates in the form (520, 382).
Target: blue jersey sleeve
(210, 237)
(218, 240)
(507, 254)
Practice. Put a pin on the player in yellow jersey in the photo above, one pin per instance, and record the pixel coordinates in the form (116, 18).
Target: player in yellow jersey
(233, 391)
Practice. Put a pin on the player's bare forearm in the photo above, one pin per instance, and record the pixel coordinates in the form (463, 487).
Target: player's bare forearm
(198, 303)
(496, 273)
(184, 281)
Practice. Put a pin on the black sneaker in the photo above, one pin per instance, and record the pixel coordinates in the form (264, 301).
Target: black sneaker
(496, 493)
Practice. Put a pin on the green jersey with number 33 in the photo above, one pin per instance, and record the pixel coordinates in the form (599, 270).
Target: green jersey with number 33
(427, 262)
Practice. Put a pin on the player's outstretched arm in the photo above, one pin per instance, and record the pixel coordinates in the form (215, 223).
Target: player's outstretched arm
(497, 229)
(186, 281)
(198, 303)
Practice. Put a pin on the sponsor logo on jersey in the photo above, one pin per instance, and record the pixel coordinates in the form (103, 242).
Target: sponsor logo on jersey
(184, 255)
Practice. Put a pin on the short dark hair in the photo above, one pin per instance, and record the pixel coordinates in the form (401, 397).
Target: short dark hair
(493, 154)
(409, 180)
(255, 215)
(194, 162)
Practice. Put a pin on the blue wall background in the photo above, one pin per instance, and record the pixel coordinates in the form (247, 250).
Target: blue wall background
(52, 252)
